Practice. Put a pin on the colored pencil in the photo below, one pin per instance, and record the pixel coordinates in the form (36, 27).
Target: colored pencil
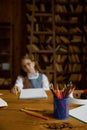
(35, 114)
(34, 109)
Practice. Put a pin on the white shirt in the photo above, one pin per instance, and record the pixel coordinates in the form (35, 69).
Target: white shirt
(45, 81)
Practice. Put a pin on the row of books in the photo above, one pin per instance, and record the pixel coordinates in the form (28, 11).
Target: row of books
(59, 29)
(75, 77)
(60, 49)
(61, 79)
(74, 68)
(41, 47)
(61, 58)
(59, 68)
(61, 44)
(39, 18)
(72, 58)
(42, 7)
(41, 38)
(59, 39)
(66, 29)
(68, 67)
(74, 49)
(68, 8)
(71, 19)
(68, 40)
(58, 19)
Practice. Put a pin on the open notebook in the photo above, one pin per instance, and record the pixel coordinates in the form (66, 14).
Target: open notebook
(32, 93)
(79, 113)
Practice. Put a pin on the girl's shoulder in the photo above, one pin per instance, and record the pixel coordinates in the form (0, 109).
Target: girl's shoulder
(44, 75)
(22, 77)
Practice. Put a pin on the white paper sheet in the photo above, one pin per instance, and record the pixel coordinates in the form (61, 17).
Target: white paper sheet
(32, 93)
(3, 103)
(78, 101)
(79, 113)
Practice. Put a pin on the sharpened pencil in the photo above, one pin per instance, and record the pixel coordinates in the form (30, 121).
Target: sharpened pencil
(34, 109)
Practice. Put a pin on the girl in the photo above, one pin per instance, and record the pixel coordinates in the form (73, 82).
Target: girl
(30, 76)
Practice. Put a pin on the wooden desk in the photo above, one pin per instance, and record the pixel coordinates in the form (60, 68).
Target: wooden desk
(11, 118)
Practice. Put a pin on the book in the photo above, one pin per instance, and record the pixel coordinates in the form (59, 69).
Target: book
(57, 18)
(75, 30)
(71, 8)
(30, 7)
(29, 17)
(64, 39)
(60, 8)
(42, 7)
(75, 77)
(61, 29)
(76, 39)
(61, 58)
(79, 8)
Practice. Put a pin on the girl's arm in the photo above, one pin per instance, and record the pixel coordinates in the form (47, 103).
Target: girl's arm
(46, 84)
(18, 85)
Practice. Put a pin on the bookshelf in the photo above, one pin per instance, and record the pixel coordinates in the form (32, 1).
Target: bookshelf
(69, 39)
(56, 37)
(5, 55)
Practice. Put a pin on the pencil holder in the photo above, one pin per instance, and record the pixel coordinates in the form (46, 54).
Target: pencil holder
(61, 108)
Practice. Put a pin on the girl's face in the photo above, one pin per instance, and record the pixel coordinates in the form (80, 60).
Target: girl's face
(28, 66)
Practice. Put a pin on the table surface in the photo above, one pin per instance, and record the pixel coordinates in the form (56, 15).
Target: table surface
(11, 118)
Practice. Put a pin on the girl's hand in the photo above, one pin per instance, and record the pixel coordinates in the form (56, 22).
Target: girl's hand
(15, 90)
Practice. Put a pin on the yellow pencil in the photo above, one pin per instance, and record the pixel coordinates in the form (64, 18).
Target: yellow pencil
(33, 109)
(16, 91)
(35, 114)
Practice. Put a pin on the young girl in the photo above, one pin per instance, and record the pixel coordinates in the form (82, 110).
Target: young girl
(30, 76)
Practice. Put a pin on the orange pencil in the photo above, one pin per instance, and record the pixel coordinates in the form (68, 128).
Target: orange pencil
(58, 92)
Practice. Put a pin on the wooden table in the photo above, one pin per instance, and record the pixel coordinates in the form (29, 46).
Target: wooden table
(11, 118)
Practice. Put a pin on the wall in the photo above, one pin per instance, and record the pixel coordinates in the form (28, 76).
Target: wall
(11, 11)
